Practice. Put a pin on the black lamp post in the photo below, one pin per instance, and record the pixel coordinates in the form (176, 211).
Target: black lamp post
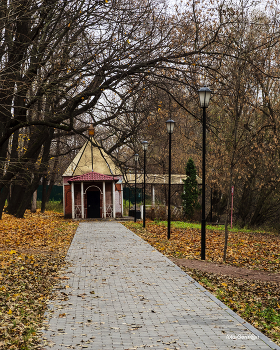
(170, 127)
(145, 148)
(136, 157)
(204, 97)
(91, 134)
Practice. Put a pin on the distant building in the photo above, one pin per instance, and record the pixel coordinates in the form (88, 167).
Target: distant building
(92, 186)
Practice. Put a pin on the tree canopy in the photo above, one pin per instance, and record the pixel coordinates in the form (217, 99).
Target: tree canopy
(122, 66)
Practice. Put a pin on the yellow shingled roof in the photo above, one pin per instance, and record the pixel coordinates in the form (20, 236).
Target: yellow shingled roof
(88, 156)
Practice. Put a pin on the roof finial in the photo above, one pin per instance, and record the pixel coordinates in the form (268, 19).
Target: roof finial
(91, 130)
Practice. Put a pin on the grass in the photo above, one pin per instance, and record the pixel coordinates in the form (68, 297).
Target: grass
(54, 206)
(191, 225)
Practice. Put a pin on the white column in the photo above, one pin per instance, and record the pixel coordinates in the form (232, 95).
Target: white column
(73, 200)
(121, 199)
(104, 201)
(63, 200)
(114, 199)
(82, 200)
(153, 196)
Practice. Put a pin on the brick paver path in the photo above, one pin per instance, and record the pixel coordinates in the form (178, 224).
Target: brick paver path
(123, 294)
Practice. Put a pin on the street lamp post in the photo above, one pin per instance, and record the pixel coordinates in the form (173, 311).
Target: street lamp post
(170, 127)
(204, 97)
(91, 134)
(145, 148)
(136, 157)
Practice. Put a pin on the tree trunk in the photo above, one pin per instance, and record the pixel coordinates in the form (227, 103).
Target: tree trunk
(26, 199)
(15, 200)
(226, 238)
(3, 196)
(34, 202)
(27, 195)
(227, 215)
(44, 194)
(27, 183)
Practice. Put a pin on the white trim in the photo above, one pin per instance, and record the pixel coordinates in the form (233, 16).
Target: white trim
(114, 199)
(93, 186)
(82, 200)
(73, 200)
(104, 201)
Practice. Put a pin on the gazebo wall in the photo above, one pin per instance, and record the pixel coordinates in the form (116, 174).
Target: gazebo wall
(108, 191)
(77, 196)
(67, 201)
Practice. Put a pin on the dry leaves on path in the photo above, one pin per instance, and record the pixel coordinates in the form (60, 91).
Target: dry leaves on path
(32, 251)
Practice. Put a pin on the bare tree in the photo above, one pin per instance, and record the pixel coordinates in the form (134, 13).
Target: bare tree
(61, 63)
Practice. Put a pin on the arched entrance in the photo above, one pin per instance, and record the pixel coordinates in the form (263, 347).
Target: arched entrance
(93, 202)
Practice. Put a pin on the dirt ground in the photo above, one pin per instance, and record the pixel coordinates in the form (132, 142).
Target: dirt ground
(223, 269)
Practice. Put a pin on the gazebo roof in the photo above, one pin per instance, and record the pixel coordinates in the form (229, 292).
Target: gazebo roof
(93, 176)
(90, 155)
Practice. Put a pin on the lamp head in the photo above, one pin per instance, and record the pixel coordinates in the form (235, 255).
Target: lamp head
(136, 157)
(170, 126)
(204, 96)
(145, 145)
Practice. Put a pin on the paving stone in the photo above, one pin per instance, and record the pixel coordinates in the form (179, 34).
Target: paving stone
(123, 294)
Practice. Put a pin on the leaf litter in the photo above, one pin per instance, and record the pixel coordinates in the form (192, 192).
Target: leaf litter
(32, 252)
(258, 302)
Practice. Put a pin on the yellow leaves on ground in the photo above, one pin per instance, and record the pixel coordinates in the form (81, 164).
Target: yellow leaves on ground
(35, 232)
(32, 251)
(257, 302)
(257, 251)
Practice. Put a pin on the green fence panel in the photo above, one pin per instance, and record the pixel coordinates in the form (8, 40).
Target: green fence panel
(56, 193)
(129, 193)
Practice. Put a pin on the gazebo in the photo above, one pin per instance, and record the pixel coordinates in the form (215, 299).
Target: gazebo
(92, 186)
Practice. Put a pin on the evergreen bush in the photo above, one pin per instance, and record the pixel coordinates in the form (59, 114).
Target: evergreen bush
(190, 191)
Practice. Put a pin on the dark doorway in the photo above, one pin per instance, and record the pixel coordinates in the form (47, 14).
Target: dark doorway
(93, 204)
